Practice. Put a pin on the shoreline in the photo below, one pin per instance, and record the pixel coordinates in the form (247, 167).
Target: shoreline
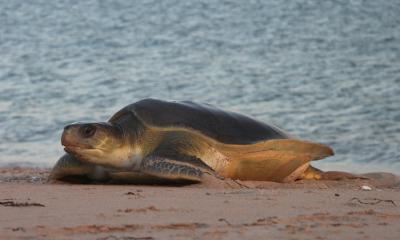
(32, 208)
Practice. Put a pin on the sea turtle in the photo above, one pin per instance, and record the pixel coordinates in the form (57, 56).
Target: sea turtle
(183, 140)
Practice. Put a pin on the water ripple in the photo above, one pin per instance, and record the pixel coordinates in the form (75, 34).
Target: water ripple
(324, 70)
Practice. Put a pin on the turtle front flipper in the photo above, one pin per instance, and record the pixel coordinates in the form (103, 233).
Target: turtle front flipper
(179, 168)
(70, 169)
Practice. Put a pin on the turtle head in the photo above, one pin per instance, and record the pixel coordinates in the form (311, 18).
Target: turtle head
(96, 143)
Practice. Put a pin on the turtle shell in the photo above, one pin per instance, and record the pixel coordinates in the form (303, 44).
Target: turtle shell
(223, 126)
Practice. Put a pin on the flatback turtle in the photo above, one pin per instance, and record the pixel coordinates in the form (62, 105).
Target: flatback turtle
(183, 140)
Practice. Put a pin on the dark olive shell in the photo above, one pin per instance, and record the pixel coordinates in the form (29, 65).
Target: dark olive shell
(223, 126)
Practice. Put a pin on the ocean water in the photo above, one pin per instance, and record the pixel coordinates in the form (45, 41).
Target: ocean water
(327, 71)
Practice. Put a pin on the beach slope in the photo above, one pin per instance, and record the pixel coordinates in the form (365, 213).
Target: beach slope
(31, 208)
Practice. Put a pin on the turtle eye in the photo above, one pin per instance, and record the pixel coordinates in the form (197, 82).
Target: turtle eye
(87, 131)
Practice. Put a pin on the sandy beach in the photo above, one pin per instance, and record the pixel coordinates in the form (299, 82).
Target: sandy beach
(32, 208)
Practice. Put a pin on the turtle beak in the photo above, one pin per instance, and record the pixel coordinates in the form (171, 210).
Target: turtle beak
(71, 136)
(67, 136)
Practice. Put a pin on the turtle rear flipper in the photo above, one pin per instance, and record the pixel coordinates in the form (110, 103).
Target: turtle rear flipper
(180, 168)
(278, 160)
(313, 173)
(338, 175)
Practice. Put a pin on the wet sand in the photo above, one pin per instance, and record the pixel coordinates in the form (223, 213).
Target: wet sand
(32, 208)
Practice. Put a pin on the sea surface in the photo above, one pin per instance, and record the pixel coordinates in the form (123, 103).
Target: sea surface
(327, 71)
